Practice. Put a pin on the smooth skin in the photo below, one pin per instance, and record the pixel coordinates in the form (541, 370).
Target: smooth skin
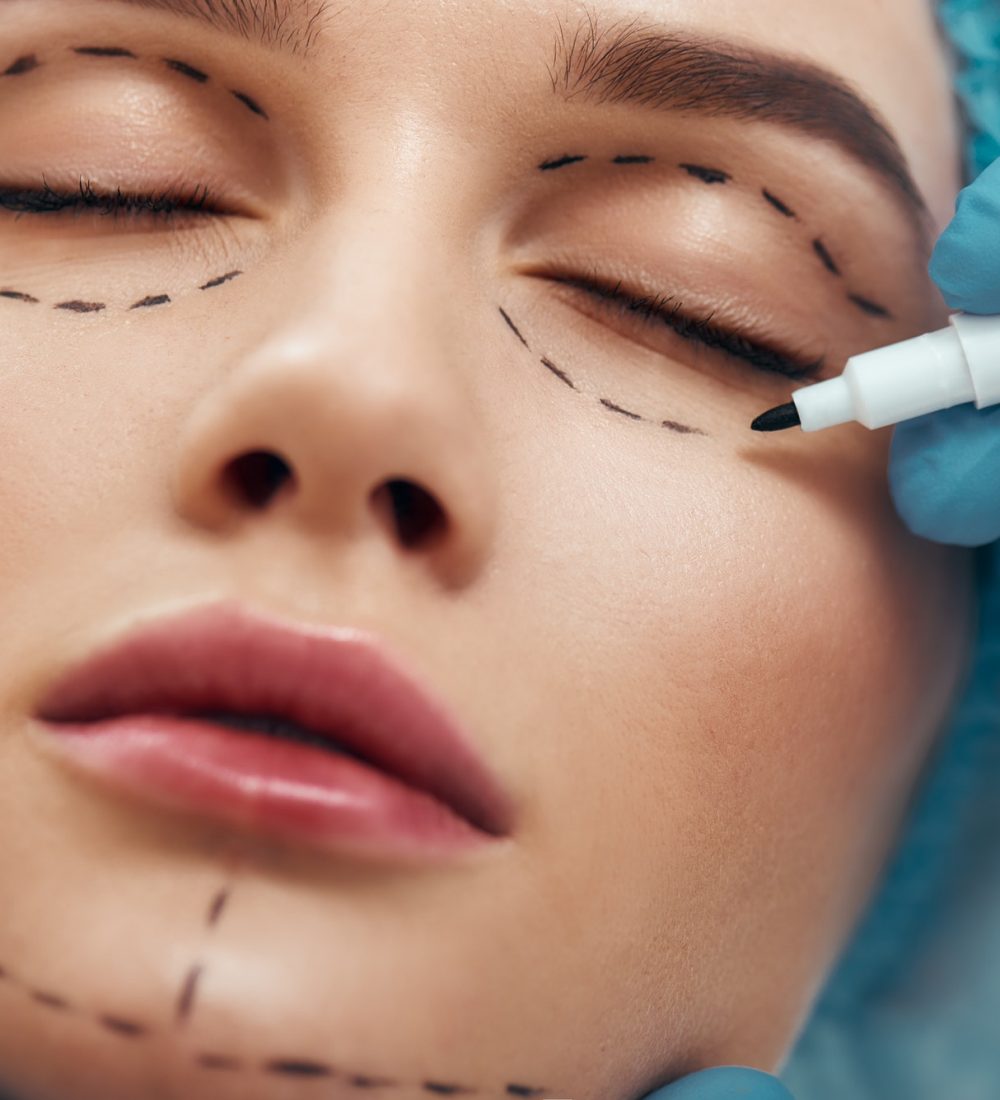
(708, 667)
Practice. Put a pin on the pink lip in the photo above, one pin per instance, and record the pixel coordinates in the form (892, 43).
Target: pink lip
(127, 715)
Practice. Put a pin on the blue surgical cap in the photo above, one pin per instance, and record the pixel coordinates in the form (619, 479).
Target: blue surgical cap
(973, 27)
(912, 1009)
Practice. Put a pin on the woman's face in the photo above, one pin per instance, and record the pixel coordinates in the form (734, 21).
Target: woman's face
(545, 262)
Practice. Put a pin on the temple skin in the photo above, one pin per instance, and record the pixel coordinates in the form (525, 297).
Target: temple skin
(709, 667)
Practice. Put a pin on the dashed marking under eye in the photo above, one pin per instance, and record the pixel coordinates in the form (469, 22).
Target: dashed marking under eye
(549, 365)
(560, 162)
(618, 409)
(50, 1000)
(295, 1067)
(633, 158)
(510, 324)
(18, 296)
(185, 69)
(706, 175)
(104, 51)
(873, 309)
(120, 1026)
(825, 258)
(152, 300)
(681, 429)
(22, 65)
(781, 207)
(81, 307)
(208, 1060)
(249, 102)
(219, 280)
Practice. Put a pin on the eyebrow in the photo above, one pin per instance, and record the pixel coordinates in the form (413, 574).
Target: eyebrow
(291, 26)
(655, 68)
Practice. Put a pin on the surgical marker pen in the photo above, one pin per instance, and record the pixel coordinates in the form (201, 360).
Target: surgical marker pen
(956, 365)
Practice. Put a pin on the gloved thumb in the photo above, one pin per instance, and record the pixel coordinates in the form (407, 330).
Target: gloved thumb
(944, 473)
(724, 1083)
(966, 262)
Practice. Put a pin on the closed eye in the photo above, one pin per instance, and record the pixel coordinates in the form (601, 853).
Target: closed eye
(169, 205)
(665, 310)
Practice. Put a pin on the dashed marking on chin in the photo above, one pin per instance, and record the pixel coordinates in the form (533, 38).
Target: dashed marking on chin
(127, 1028)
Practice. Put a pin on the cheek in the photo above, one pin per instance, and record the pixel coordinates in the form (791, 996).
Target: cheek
(751, 674)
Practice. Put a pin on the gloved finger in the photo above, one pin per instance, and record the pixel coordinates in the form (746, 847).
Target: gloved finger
(724, 1083)
(944, 475)
(966, 260)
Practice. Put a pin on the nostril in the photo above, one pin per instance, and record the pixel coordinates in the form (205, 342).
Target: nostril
(417, 516)
(257, 476)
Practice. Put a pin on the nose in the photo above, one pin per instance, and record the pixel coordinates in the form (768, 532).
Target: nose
(353, 419)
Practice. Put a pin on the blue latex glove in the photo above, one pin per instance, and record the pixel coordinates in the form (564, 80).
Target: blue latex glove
(724, 1083)
(944, 470)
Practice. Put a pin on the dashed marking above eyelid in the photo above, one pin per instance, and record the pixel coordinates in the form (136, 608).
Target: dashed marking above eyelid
(28, 62)
(714, 176)
(105, 51)
(187, 70)
(560, 162)
(22, 65)
(250, 103)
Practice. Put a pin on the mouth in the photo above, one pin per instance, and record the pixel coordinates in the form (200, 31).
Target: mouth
(311, 733)
(278, 728)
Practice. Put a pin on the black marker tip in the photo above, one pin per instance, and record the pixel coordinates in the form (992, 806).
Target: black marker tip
(777, 420)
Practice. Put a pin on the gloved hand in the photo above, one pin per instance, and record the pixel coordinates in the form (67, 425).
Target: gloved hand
(724, 1083)
(944, 469)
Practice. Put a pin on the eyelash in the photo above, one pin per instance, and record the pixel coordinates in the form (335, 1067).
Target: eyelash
(666, 310)
(169, 205)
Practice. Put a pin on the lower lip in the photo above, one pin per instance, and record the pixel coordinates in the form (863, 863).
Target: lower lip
(277, 788)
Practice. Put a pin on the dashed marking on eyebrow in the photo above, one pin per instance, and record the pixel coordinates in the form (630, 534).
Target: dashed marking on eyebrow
(81, 307)
(22, 65)
(249, 102)
(633, 158)
(185, 1002)
(18, 296)
(298, 1067)
(118, 1024)
(513, 328)
(185, 69)
(152, 300)
(558, 372)
(873, 309)
(560, 162)
(618, 409)
(825, 258)
(706, 175)
(781, 207)
(104, 51)
(220, 279)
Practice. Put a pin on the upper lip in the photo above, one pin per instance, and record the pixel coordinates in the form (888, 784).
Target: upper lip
(335, 681)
